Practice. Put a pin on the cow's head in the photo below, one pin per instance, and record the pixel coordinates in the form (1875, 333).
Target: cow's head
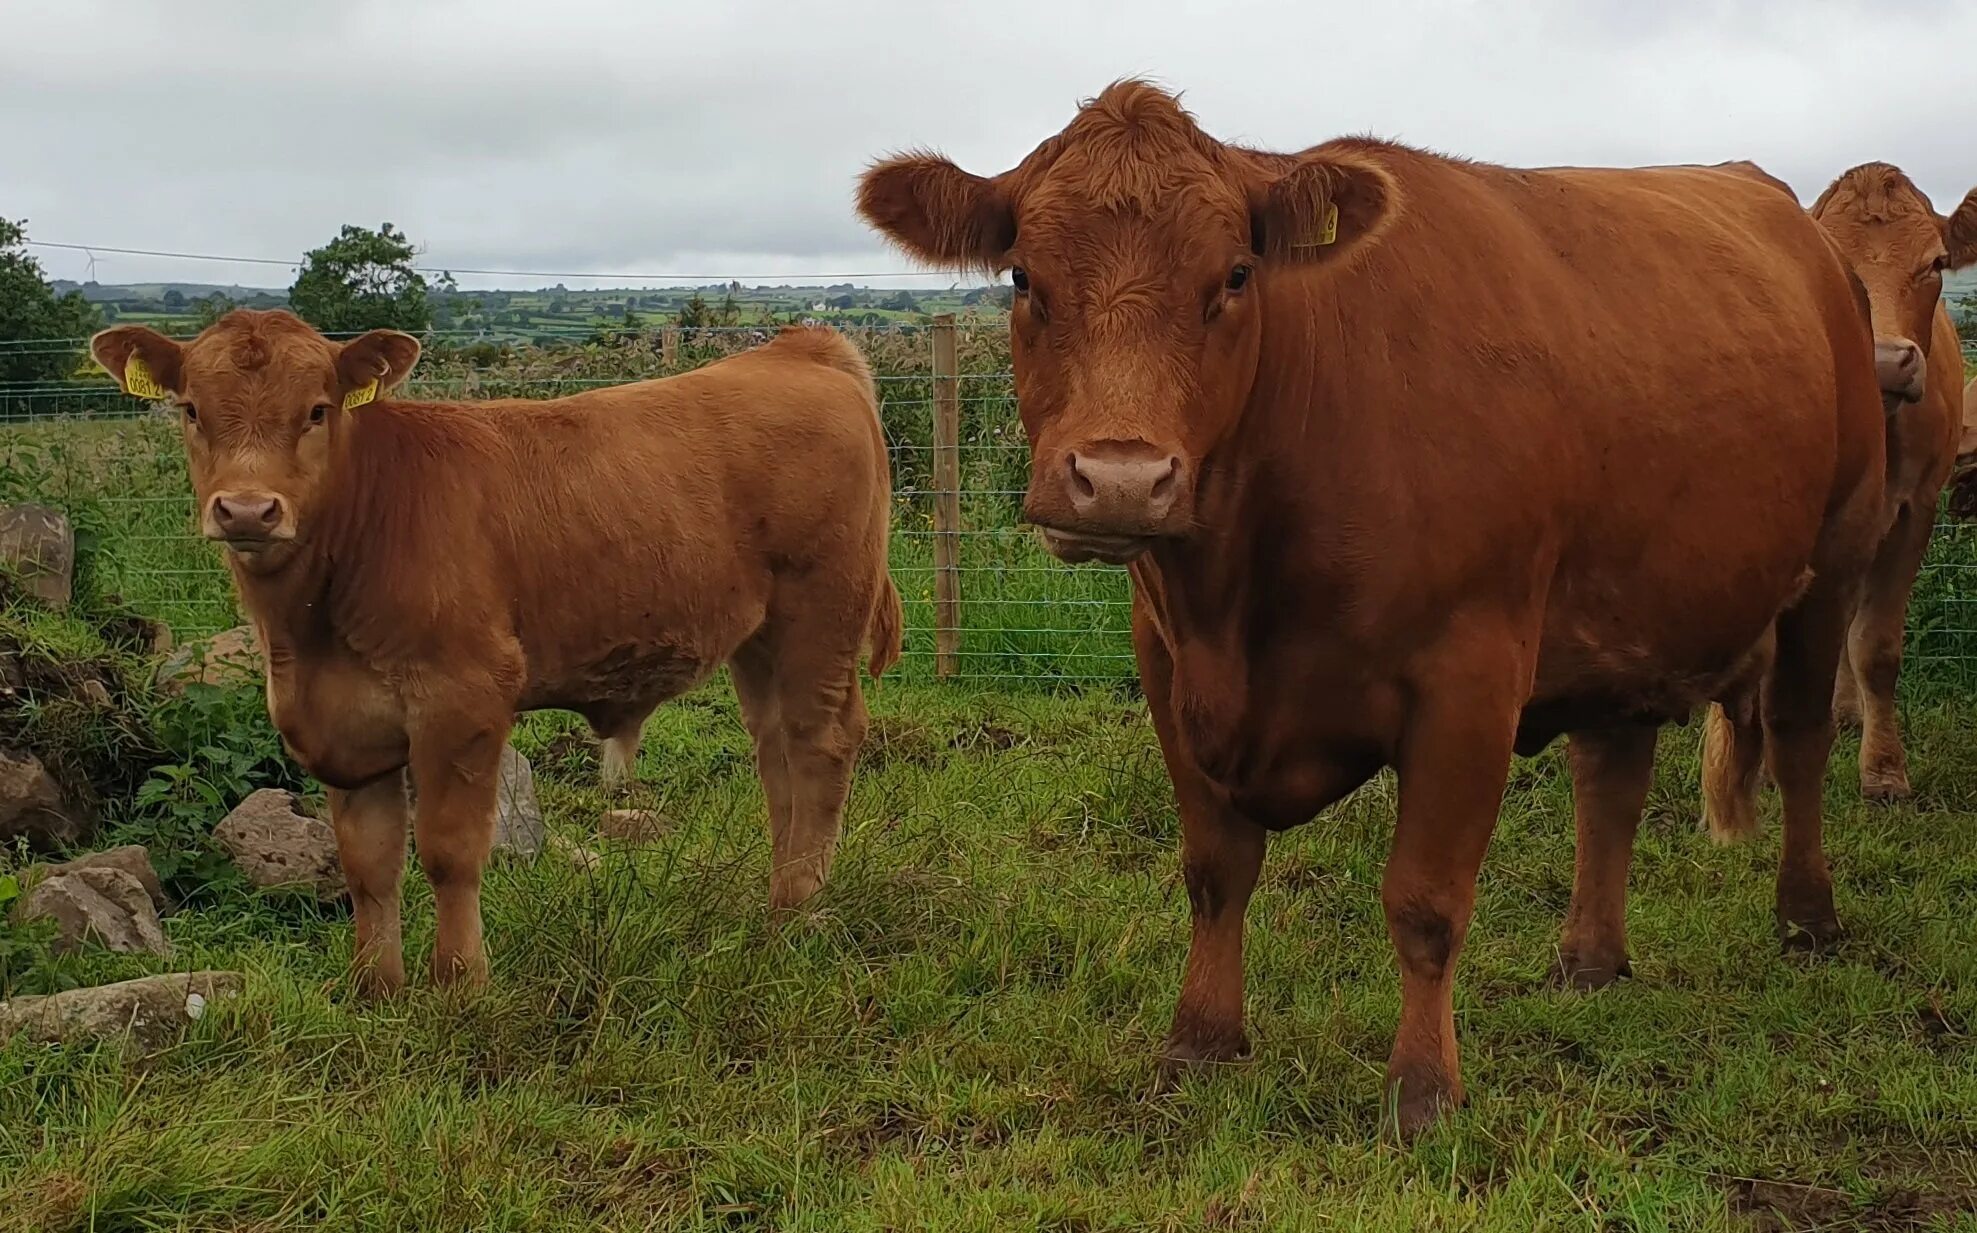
(1140, 250)
(262, 400)
(1899, 247)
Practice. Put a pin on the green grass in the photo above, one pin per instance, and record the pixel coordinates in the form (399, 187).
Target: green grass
(961, 1036)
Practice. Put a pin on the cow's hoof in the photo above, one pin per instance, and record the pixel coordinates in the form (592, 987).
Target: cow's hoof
(1588, 970)
(1885, 787)
(1809, 933)
(1194, 1052)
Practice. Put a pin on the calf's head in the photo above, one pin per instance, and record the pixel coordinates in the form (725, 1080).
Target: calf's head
(262, 400)
(1900, 248)
(1142, 252)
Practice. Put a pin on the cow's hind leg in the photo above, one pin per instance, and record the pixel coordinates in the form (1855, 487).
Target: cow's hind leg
(1875, 650)
(1798, 731)
(754, 672)
(370, 824)
(1611, 771)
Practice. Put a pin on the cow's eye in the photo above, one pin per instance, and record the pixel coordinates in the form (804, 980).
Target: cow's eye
(319, 413)
(190, 412)
(1941, 263)
(1238, 278)
(1019, 278)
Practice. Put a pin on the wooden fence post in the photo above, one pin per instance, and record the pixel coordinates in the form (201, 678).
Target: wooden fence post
(669, 345)
(947, 499)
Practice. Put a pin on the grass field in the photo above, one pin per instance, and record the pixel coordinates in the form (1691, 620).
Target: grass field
(961, 1035)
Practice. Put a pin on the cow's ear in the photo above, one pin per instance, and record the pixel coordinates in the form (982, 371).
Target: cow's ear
(1321, 207)
(144, 362)
(937, 212)
(1960, 232)
(371, 365)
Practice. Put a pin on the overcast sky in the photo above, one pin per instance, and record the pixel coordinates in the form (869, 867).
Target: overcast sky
(722, 137)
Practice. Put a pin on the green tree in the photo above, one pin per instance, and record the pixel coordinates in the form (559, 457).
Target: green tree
(210, 308)
(174, 298)
(363, 280)
(900, 301)
(31, 312)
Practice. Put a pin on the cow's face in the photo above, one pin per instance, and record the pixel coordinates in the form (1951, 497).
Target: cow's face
(1140, 251)
(1899, 247)
(261, 399)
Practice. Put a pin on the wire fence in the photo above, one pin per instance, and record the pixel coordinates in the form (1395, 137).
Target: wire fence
(983, 601)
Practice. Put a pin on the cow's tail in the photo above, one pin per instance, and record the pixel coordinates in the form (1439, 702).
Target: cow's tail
(888, 630)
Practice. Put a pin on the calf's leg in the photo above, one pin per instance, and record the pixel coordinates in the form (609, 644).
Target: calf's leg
(753, 669)
(456, 763)
(1612, 769)
(1875, 650)
(370, 824)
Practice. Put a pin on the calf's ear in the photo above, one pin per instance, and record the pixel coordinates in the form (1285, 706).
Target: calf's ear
(1960, 232)
(144, 362)
(372, 365)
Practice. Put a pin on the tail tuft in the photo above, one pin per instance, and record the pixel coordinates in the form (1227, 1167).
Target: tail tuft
(1729, 790)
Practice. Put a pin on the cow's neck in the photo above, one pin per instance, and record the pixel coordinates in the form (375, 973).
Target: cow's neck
(286, 605)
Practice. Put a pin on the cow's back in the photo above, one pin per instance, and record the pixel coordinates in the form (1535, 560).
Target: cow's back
(1634, 395)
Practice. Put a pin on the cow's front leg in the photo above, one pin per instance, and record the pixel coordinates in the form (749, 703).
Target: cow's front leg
(370, 824)
(1453, 761)
(456, 766)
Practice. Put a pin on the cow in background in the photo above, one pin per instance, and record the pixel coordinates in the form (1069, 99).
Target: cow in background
(1900, 248)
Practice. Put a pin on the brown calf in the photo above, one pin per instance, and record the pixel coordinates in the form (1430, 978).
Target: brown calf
(1417, 462)
(1899, 247)
(420, 572)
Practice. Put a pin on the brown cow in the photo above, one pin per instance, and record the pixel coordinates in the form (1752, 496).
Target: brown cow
(1417, 462)
(1899, 246)
(419, 572)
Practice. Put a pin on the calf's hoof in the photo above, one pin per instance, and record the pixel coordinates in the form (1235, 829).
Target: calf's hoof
(1586, 969)
(1417, 1100)
(1183, 1052)
(790, 889)
(464, 974)
(376, 983)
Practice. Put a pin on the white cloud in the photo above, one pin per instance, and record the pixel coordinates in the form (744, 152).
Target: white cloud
(725, 138)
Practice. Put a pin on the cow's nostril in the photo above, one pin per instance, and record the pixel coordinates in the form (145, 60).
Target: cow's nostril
(1080, 482)
(1164, 486)
(271, 513)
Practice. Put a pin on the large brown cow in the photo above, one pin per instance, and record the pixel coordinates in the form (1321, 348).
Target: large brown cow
(1899, 246)
(1417, 462)
(419, 572)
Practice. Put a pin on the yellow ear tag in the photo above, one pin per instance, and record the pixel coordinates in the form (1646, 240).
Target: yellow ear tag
(1327, 233)
(364, 393)
(138, 381)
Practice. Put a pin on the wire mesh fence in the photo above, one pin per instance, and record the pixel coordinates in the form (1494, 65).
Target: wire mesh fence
(983, 601)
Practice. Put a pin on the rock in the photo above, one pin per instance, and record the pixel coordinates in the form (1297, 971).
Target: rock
(277, 845)
(632, 825)
(102, 905)
(518, 824)
(131, 858)
(224, 660)
(97, 694)
(32, 807)
(582, 859)
(38, 546)
(147, 1013)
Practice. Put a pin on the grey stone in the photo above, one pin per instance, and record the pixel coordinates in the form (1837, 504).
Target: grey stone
(224, 660)
(581, 859)
(147, 1014)
(38, 546)
(518, 826)
(32, 806)
(277, 845)
(101, 905)
(131, 858)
